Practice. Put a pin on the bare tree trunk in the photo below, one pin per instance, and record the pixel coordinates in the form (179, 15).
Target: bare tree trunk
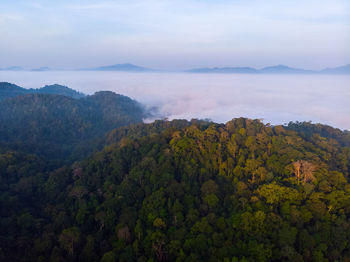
(297, 166)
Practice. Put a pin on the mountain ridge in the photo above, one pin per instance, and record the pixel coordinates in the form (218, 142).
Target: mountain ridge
(8, 90)
(274, 69)
(277, 69)
(41, 69)
(337, 70)
(62, 127)
(126, 67)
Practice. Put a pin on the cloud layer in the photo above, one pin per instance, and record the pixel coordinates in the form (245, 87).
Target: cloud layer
(277, 99)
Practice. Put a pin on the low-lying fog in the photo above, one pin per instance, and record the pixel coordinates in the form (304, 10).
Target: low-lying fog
(277, 99)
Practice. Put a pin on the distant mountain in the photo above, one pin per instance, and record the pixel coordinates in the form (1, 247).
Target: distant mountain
(121, 67)
(8, 90)
(41, 69)
(337, 70)
(282, 69)
(228, 70)
(277, 69)
(12, 68)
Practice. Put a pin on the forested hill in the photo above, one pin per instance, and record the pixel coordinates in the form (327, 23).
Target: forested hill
(184, 191)
(58, 127)
(57, 90)
(8, 90)
(307, 129)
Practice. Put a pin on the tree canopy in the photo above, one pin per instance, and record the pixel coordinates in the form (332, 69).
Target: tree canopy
(184, 191)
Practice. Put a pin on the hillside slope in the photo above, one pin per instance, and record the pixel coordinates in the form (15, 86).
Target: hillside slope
(192, 191)
(8, 90)
(58, 127)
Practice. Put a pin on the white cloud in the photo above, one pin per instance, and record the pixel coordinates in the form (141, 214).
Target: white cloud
(276, 98)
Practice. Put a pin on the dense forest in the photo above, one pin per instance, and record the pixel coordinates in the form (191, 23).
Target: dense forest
(170, 190)
(8, 90)
(61, 125)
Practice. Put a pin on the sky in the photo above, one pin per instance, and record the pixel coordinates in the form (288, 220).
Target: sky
(174, 35)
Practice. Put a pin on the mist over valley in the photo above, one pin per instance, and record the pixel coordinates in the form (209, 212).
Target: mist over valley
(277, 99)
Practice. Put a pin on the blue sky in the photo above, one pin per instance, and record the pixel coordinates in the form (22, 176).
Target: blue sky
(177, 34)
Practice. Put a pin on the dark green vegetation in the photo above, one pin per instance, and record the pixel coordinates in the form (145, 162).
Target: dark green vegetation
(59, 128)
(8, 90)
(184, 191)
(57, 90)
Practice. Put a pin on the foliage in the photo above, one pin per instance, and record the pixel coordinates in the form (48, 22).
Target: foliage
(62, 129)
(8, 90)
(183, 191)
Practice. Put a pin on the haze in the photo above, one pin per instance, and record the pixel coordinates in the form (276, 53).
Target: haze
(277, 99)
(179, 34)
